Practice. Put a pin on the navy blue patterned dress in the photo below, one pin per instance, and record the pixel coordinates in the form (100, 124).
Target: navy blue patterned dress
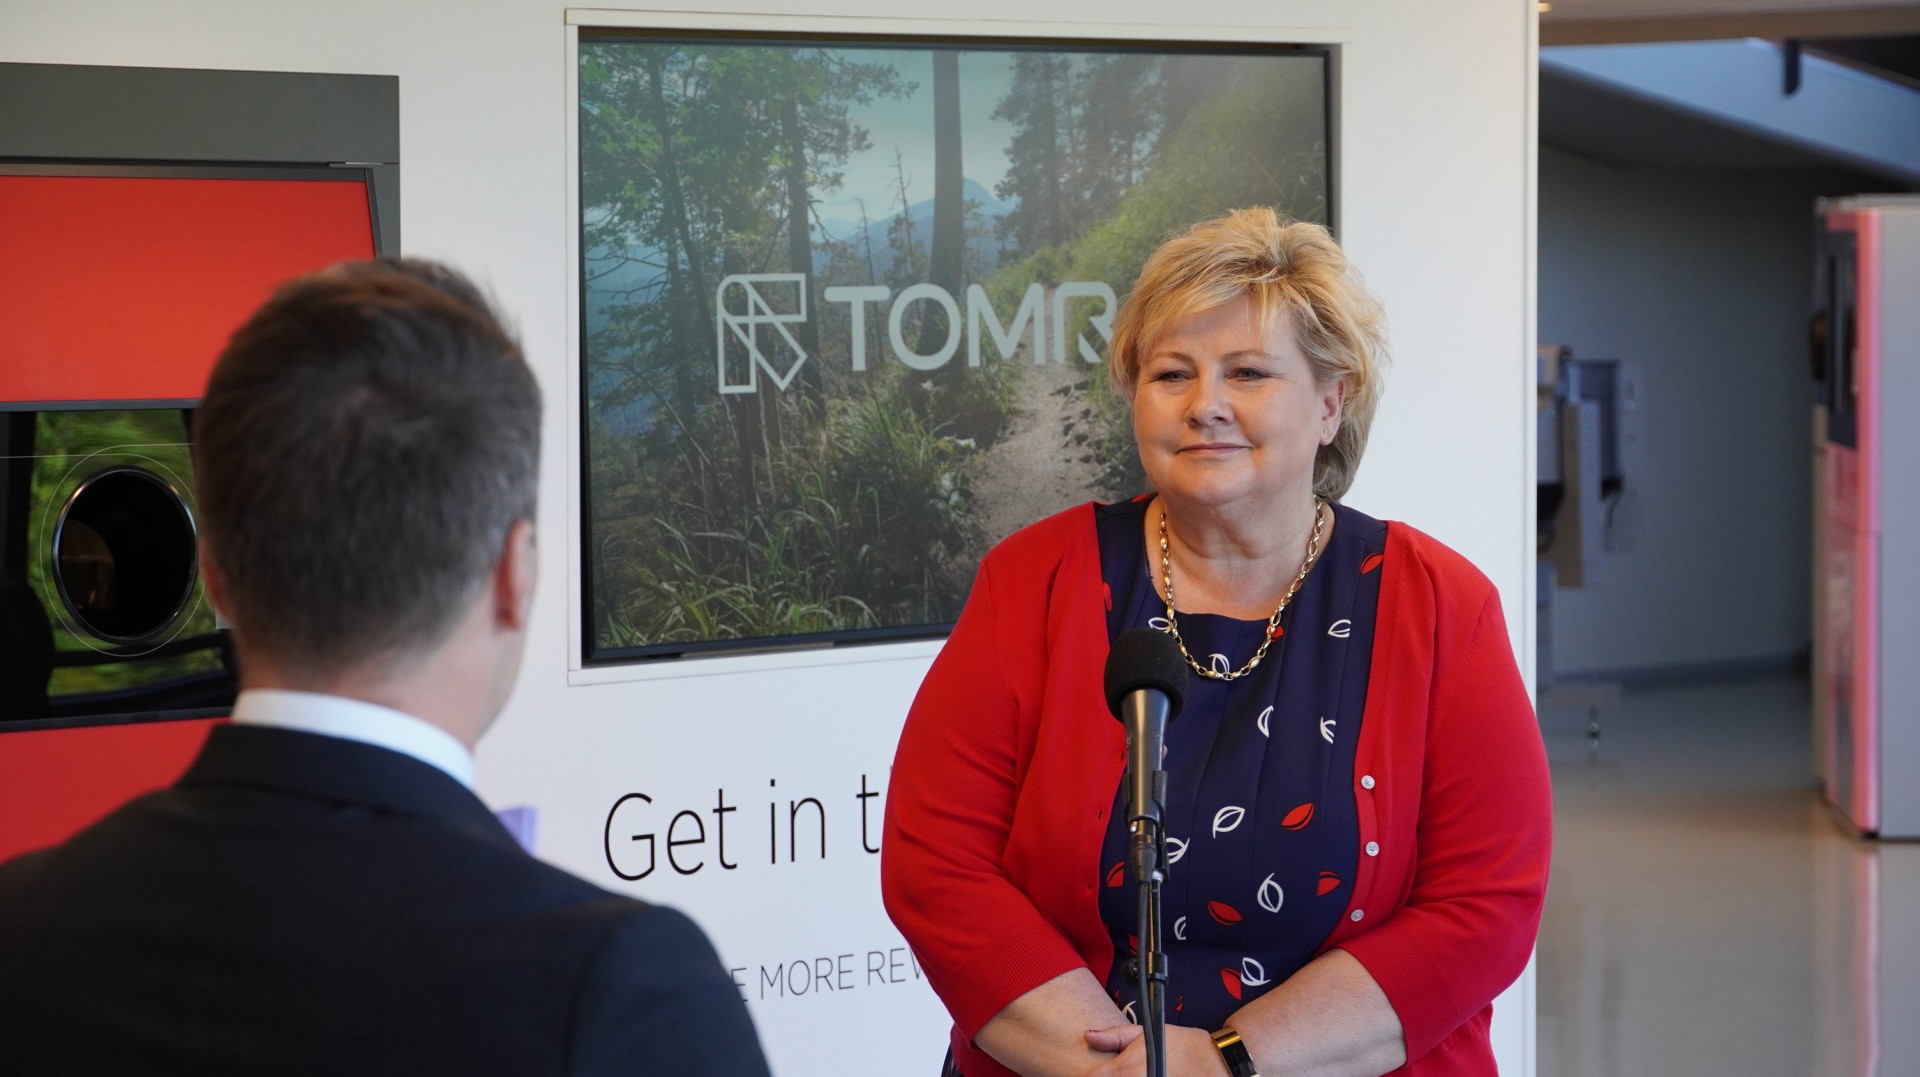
(1262, 832)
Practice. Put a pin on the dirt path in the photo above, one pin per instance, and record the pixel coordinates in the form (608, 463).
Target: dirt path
(1045, 463)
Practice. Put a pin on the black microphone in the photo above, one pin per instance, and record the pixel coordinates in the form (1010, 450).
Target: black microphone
(1146, 681)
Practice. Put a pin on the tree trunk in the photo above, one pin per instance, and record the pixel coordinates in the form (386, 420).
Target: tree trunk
(683, 307)
(946, 263)
(1047, 119)
(1187, 84)
(674, 196)
(800, 240)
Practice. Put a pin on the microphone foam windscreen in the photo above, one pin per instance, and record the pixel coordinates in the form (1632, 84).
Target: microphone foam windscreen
(1146, 658)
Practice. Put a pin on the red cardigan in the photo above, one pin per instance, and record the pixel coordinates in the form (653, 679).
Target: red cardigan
(1009, 759)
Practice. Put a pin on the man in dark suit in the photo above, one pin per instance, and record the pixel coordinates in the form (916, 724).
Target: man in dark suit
(322, 892)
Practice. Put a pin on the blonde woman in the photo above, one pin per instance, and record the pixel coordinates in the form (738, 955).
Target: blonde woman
(1357, 812)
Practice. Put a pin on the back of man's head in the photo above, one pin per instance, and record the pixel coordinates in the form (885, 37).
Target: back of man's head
(366, 442)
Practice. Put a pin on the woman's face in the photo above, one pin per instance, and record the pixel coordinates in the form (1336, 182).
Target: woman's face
(1228, 416)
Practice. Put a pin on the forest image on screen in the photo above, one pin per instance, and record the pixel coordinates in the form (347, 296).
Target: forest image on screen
(846, 308)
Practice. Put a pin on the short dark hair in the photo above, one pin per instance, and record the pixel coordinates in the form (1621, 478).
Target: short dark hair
(366, 441)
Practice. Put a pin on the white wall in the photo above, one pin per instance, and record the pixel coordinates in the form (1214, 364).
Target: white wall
(1435, 125)
(1702, 283)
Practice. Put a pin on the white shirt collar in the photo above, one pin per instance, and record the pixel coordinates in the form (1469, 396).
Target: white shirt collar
(353, 719)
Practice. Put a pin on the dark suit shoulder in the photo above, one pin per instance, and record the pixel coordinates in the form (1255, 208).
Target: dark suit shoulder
(205, 914)
(657, 1000)
(53, 876)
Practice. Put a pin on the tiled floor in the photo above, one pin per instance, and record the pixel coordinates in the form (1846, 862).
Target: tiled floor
(1706, 915)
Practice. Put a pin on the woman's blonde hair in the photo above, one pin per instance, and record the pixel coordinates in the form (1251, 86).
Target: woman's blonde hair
(1287, 267)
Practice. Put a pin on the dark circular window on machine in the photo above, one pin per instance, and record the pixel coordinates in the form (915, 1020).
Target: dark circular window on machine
(123, 553)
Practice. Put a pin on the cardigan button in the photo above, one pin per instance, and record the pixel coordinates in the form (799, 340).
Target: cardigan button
(1373, 848)
(1358, 916)
(1366, 781)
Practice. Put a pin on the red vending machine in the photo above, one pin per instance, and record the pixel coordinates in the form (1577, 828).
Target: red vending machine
(1866, 601)
(143, 215)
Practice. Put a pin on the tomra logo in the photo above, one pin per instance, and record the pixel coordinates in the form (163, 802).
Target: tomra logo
(756, 312)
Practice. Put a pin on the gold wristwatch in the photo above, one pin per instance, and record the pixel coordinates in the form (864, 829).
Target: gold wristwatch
(1234, 1051)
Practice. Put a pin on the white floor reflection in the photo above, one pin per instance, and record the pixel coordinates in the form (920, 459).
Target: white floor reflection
(1707, 916)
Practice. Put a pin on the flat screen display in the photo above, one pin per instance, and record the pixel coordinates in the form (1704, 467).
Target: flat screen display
(846, 307)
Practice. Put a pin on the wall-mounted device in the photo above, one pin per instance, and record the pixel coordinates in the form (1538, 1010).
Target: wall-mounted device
(1866, 622)
(144, 214)
(103, 568)
(1579, 421)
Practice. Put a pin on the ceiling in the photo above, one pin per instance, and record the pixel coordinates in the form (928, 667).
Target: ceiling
(1879, 37)
(1895, 55)
(1598, 22)
(1644, 9)
(1629, 131)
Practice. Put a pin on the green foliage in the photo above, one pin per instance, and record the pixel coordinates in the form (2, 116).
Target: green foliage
(1039, 105)
(860, 526)
(1086, 132)
(1231, 149)
(65, 442)
(847, 500)
(840, 504)
(684, 173)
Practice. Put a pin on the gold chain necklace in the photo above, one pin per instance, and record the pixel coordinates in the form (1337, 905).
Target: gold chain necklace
(1273, 622)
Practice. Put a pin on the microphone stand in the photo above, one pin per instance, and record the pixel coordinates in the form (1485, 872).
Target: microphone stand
(1147, 859)
(1145, 684)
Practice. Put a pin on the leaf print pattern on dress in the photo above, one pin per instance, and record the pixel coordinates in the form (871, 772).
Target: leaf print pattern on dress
(1299, 817)
(1227, 818)
(1229, 772)
(1270, 895)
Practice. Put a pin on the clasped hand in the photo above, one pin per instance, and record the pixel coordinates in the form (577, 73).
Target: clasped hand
(1190, 1052)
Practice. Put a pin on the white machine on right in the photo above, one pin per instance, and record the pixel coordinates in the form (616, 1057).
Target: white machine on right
(1866, 547)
